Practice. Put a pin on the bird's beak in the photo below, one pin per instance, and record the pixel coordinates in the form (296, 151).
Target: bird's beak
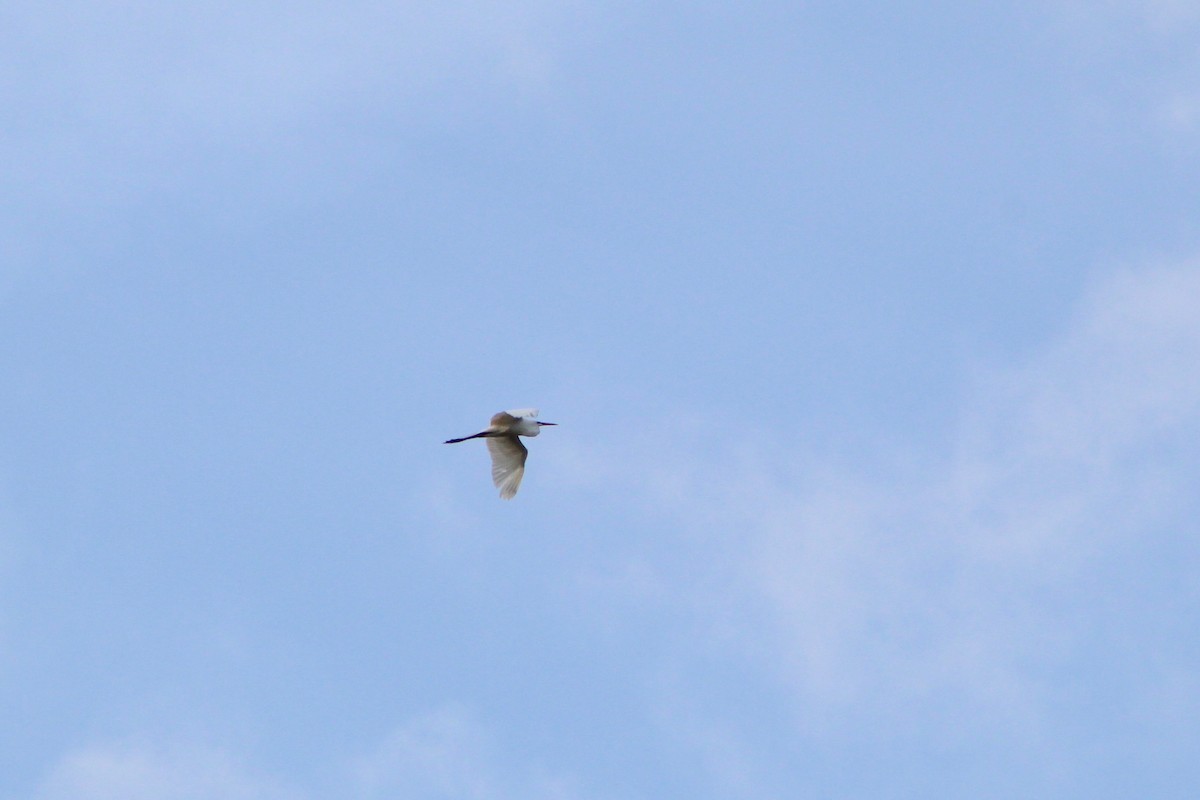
(547, 423)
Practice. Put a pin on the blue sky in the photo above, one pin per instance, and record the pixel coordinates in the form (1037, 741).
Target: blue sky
(872, 333)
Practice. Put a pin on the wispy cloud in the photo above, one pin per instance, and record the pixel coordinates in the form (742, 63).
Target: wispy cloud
(116, 105)
(445, 753)
(113, 96)
(140, 772)
(440, 754)
(450, 753)
(1139, 59)
(967, 591)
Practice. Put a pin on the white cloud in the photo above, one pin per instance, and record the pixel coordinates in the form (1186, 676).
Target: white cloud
(111, 98)
(445, 753)
(1180, 111)
(440, 754)
(133, 772)
(1165, 15)
(223, 66)
(114, 105)
(1101, 21)
(448, 754)
(960, 593)
(1138, 60)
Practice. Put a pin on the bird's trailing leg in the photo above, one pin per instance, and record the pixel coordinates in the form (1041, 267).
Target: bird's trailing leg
(472, 436)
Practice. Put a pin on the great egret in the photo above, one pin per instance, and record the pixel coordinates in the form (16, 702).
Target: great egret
(508, 454)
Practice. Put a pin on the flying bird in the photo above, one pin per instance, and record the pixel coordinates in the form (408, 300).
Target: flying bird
(508, 454)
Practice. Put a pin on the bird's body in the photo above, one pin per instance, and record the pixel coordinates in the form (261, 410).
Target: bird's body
(508, 454)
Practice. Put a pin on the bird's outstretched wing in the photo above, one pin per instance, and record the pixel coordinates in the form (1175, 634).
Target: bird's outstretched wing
(508, 463)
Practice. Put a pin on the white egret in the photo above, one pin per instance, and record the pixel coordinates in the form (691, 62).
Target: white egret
(508, 454)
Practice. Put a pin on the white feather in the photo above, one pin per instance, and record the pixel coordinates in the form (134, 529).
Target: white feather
(508, 463)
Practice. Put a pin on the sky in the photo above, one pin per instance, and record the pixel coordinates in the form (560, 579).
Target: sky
(872, 333)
